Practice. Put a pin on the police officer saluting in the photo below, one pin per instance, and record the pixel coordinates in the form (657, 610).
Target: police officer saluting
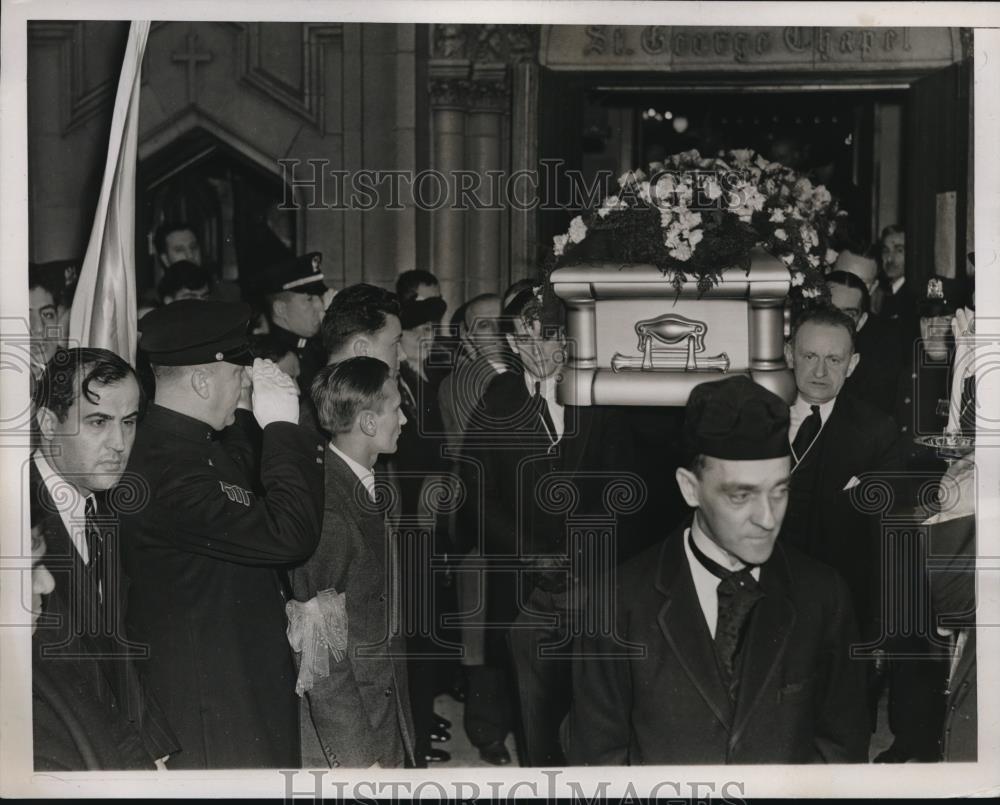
(293, 294)
(203, 550)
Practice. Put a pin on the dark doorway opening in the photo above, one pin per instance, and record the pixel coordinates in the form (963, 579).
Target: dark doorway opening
(231, 203)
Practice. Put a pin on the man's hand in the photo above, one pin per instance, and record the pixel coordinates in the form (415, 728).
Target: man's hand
(275, 394)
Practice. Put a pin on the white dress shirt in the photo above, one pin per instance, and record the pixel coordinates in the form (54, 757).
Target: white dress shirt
(706, 583)
(71, 504)
(897, 284)
(365, 475)
(801, 409)
(548, 392)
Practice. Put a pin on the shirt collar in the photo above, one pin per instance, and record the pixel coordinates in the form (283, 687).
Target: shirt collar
(365, 475)
(72, 507)
(804, 408)
(548, 384)
(178, 424)
(897, 284)
(708, 547)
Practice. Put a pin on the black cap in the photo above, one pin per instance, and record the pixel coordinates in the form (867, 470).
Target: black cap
(940, 297)
(301, 274)
(413, 312)
(736, 419)
(191, 332)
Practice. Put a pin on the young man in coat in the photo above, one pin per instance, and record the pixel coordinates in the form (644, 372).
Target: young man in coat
(203, 550)
(726, 647)
(361, 709)
(87, 404)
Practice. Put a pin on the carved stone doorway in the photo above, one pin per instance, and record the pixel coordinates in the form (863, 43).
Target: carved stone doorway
(230, 202)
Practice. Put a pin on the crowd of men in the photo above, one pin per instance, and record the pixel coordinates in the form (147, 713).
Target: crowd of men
(279, 536)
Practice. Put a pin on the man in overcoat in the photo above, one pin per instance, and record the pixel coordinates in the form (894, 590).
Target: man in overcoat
(203, 550)
(90, 709)
(726, 647)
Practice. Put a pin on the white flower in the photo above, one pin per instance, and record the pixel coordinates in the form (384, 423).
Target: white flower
(631, 177)
(797, 278)
(831, 257)
(810, 293)
(809, 236)
(688, 219)
(803, 189)
(788, 259)
(665, 186)
(577, 229)
(713, 188)
(558, 244)
(777, 216)
(761, 162)
(644, 193)
(741, 156)
(821, 196)
(681, 252)
(695, 236)
(780, 234)
(611, 203)
(813, 260)
(672, 237)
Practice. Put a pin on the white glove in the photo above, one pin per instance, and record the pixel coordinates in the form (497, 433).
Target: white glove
(275, 394)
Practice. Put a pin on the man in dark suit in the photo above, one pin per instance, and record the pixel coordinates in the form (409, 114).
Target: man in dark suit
(360, 709)
(724, 646)
(203, 549)
(877, 342)
(897, 302)
(523, 451)
(87, 404)
(835, 439)
(481, 356)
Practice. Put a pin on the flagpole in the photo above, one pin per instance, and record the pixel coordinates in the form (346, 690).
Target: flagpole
(104, 306)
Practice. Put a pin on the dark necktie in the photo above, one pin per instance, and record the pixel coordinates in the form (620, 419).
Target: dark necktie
(808, 431)
(550, 424)
(95, 543)
(738, 593)
(92, 598)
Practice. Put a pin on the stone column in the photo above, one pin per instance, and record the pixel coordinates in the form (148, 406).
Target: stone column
(489, 98)
(449, 88)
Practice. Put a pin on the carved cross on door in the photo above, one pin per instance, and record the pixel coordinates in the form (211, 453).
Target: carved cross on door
(191, 59)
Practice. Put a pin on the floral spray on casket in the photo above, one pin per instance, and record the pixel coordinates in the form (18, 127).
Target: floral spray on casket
(697, 216)
(694, 219)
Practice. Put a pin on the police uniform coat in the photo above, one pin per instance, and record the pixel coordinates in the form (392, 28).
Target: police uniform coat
(202, 553)
(310, 352)
(801, 697)
(90, 709)
(361, 711)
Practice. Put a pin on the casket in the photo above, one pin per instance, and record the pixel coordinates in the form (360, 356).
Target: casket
(632, 339)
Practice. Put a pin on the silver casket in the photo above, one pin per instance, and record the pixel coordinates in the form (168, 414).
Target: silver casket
(633, 340)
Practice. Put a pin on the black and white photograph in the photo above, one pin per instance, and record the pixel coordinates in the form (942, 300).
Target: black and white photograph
(478, 401)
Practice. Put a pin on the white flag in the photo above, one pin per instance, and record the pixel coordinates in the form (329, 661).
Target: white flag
(104, 306)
